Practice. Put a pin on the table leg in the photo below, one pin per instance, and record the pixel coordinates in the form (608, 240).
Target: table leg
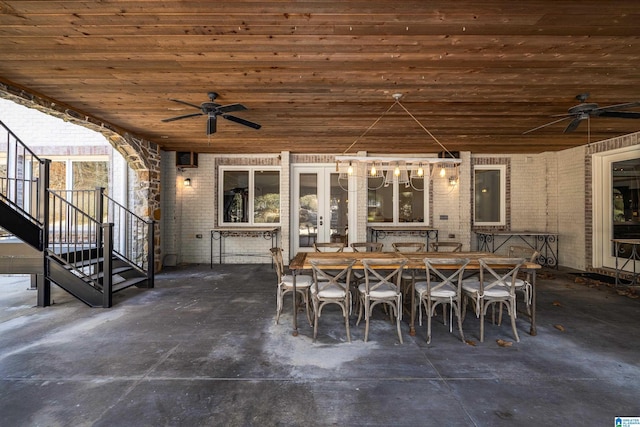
(412, 328)
(533, 331)
(294, 273)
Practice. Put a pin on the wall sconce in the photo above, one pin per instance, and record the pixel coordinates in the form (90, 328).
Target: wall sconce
(187, 182)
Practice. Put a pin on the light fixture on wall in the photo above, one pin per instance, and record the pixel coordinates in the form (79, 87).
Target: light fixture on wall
(403, 169)
(187, 182)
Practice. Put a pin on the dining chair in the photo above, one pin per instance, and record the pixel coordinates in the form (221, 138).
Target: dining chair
(382, 285)
(330, 285)
(442, 287)
(367, 246)
(285, 284)
(523, 282)
(329, 246)
(496, 284)
(358, 276)
(408, 246)
(409, 276)
(445, 246)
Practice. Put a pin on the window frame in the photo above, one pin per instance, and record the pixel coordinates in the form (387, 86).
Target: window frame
(502, 169)
(251, 170)
(396, 205)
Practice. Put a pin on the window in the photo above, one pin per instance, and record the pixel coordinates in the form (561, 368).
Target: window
(397, 203)
(249, 196)
(489, 195)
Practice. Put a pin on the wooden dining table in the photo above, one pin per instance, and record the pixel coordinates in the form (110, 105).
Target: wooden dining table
(415, 261)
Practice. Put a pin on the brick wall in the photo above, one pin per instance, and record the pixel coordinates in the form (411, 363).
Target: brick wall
(546, 192)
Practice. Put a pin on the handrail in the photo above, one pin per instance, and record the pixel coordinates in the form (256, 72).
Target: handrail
(21, 171)
(134, 239)
(133, 234)
(74, 233)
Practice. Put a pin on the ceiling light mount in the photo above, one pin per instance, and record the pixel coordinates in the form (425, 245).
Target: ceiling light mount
(397, 96)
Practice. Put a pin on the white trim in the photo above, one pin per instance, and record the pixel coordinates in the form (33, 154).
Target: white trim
(503, 194)
(251, 185)
(602, 203)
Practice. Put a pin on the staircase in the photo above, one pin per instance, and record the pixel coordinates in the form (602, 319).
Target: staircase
(91, 246)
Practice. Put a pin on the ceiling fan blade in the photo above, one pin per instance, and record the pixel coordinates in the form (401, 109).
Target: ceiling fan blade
(186, 116)
(185, 103)
(620, 114)
(212, 124)
(546, 124)
(574, 124)
(616, 107)
(230, 108)
(242, 121)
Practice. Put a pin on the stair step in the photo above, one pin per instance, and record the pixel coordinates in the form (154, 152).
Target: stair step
(127, 283)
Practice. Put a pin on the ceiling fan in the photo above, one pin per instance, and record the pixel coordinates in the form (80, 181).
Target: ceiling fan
(212, 110)
(586, 110)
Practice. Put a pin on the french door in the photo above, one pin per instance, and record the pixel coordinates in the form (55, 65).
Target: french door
(320, 207)
(616, 205)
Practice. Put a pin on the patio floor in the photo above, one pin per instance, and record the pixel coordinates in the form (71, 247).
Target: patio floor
(202, 349)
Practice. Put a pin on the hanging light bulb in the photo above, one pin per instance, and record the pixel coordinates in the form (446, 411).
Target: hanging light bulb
(443, 172)
(420, 170)
(374, 171)
(350, 169)
(396, 170)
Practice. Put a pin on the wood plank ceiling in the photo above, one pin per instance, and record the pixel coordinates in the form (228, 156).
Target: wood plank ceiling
(318, 74)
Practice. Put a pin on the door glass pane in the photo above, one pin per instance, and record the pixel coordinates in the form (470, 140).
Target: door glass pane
(236, 193)
(379, 202)
(411, 206)
(266, 193)
(625, 193)
(339, 209)
(487, 196)
(308, 213)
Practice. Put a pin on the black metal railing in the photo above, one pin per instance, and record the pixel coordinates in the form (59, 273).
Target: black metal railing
(21, 177)
(81, 229)
(133, 236)
(76, 240)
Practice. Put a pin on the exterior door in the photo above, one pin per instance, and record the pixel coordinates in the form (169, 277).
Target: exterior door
(616, 201)
(320, 207)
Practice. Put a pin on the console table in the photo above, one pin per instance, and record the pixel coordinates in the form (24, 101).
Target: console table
(627, 249)
(544, 242)
(381, 231)
(221, 233)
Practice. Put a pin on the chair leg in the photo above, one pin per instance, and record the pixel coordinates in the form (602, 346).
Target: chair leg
(346, 322)
(316, 314)
(398, 317)
(483, 309)
(278, 305)
(305, 296)
(429, 313)
(513, 321)
(367, 315)
(456, 307)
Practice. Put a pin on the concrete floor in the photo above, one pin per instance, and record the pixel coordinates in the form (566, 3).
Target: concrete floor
(202, 348)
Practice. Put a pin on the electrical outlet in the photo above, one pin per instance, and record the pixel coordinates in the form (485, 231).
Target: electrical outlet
(198, 236)
(452, 236)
